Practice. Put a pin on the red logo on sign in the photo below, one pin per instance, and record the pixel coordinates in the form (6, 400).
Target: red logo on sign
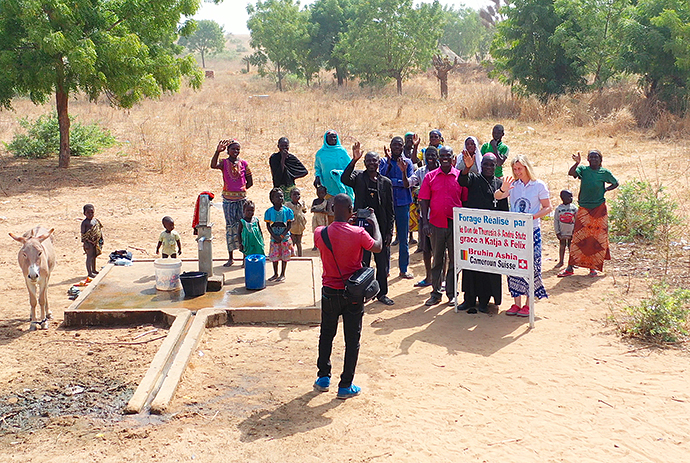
(522, 264)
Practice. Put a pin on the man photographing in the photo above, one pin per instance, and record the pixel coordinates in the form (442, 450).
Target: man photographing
(348, 243)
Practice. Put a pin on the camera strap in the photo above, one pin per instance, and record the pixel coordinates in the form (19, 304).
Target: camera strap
(327, 242)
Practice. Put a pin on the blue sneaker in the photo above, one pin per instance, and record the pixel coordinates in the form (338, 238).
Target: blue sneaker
(347, 392)
(321, 384)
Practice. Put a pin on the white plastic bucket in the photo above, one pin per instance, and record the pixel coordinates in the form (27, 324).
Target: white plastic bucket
(167, 274)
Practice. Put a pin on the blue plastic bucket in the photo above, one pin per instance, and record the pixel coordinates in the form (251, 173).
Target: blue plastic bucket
(255, 271)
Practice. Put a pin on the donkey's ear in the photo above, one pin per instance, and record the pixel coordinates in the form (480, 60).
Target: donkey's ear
(45, 236)
(21, 239)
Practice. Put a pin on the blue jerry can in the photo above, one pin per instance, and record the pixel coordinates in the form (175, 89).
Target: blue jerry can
(255, 271)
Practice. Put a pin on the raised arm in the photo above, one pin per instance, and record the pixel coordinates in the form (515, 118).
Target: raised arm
(222, 146)
(504, 191)
(468, 160)
(415, 148)
(573, 169)
(348, 177)
(403, 165)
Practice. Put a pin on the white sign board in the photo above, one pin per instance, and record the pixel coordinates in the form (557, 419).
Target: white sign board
(495, 242)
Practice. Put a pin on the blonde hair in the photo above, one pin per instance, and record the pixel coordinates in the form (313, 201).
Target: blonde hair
(522, 159)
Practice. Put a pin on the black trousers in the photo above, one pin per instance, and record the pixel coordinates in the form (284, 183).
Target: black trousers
(334, 305)
(383, 263)
(442, 240)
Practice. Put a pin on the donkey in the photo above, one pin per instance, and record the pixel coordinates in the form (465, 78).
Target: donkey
(37, 259)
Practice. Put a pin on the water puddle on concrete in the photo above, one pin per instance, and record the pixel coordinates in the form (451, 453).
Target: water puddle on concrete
(133, 287)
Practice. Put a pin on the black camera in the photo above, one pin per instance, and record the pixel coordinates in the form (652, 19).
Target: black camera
(361, 217)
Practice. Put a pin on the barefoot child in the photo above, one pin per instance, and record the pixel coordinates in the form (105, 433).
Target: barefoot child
(251, 238)
(564, 223)
(278, 221)
(169, 239)
(92, 237)
(298, 209)
(320, 210)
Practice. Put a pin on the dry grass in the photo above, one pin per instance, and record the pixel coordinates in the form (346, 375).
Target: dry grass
(175, 136)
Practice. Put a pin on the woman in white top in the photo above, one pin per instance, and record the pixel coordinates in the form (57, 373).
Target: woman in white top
(471, 147)
(527, 194)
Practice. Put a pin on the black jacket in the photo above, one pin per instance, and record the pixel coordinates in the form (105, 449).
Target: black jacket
(294, 169)
(385, 213)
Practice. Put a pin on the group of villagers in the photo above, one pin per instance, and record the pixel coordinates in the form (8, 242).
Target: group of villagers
(427, 184)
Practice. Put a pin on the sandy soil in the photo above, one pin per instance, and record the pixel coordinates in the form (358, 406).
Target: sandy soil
(437, 386)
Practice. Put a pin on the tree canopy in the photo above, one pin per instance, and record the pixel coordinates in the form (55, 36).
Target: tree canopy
(466, 34)
(656, 41)
(591, 32)
(527, 57)
(125, 50)
(207, 38)
(330, 21)
(279, 33)
(550, 47)
(390, 39)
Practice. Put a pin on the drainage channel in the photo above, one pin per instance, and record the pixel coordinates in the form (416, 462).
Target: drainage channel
(156, 390)
(160, 366)
(163, 374)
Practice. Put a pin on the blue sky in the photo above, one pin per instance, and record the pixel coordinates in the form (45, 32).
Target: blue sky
(232, 14)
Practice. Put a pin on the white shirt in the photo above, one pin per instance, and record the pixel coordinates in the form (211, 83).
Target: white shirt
(527, 198)
(418, 176)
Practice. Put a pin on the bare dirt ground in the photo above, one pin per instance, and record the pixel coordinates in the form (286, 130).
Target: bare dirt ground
(437, 386)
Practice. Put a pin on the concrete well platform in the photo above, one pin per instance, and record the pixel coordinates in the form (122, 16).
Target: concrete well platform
(129, 295)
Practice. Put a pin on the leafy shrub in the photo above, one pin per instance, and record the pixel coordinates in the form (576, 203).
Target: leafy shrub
(42, 138)
(662, 318)
(642, 212)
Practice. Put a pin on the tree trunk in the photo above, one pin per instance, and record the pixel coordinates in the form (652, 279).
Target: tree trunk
(247, 66)
(399, 82)
(61, 99)
(280, 78)
(443, 79)
(203, 62)
(339, 75)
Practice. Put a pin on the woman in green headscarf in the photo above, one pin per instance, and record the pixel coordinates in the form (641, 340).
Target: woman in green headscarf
(331, 160)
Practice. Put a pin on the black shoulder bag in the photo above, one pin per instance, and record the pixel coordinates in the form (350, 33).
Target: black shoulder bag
(362, 285)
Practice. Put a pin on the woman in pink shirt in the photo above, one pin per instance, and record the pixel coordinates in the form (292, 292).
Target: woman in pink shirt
(237, 178)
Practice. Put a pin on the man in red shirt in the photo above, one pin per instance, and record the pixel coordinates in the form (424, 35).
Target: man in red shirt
(348, 242)
(439, 194)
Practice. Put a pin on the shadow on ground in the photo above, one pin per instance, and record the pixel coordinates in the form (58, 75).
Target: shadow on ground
(290, 418)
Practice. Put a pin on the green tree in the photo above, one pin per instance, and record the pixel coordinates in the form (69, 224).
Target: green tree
(124, 49)
(466, 34)
(526, 55)
(330, 21)
(389, 39)
(657, 47)
(279, 34)
(207, 38)
(590, 32)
